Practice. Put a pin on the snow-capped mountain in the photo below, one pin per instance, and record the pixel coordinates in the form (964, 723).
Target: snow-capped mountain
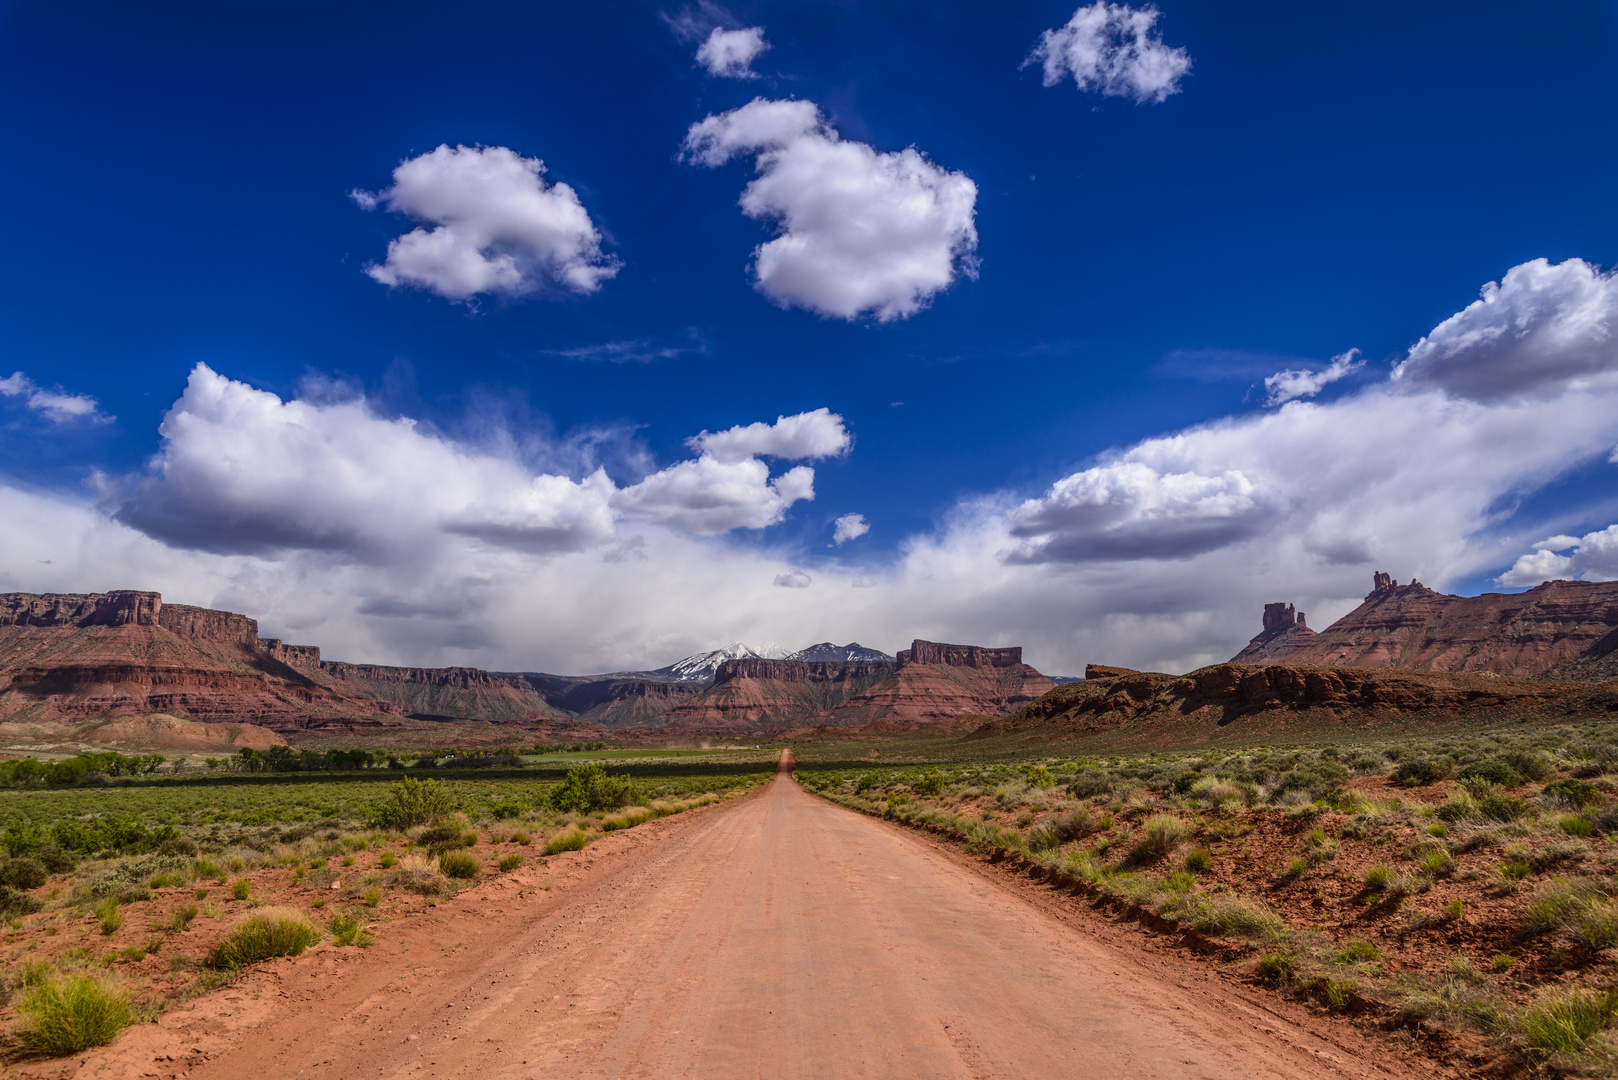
(826, 651)
(701, 667)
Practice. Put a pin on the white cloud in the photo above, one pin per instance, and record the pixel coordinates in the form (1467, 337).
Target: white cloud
(810, 435)
(729, 54)
(864, 581)
(57, 405)
(243, 471)
(1111, 49)
(862, 231)
(708, 496)
(849, 527)
(1291, 384)
(1541, 330)
(498, 228)
(1591, 557)
(1132, 510)
(793, 579)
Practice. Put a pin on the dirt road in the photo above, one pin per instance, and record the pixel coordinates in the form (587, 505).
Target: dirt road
(779, 936)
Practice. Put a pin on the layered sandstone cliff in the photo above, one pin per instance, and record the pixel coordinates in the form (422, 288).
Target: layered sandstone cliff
(1560, 629)
(938, 682)
(452, 693)
(1284, 632)
(76, 657)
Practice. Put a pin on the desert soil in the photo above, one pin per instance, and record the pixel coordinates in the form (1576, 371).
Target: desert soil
(777, 936)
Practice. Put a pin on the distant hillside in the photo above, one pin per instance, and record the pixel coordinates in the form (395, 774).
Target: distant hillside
(1291, 700)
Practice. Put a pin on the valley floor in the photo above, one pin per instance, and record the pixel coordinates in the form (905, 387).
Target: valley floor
(777, 935)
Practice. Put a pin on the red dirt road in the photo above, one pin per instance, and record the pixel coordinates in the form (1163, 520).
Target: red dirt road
(778, 936)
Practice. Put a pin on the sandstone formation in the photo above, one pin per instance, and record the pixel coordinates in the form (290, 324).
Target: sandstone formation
(453, 693)
(937, 682)
(1278, 700)
(102, 655)
(1284, 633)
(1560, 629)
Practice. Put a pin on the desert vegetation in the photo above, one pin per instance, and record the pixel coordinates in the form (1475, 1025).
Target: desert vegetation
(123, 892)
(1468, 880)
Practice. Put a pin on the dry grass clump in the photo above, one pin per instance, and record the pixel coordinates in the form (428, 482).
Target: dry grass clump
(572, 838)
(69, 1012)
(1164, 833)
(459, 864)
(267, 932)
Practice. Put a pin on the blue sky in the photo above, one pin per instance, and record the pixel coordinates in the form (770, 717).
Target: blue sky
(1319, 180)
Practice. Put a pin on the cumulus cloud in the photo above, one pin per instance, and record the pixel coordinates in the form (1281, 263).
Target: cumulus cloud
(497, 227)
(1543, 329)
(56, 405)
(794, 579)
(849, 527)
(805, 436)
(1131, 510)
(242, 471)
(1591, 557)
(1292, 384)
(729, 54)
(861, 231)
(1112, 49)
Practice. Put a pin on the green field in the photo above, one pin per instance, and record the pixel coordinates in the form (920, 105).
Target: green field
(135, 814)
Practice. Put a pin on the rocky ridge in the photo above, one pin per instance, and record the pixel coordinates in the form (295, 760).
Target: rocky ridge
(1556, 630)
(1277, 700)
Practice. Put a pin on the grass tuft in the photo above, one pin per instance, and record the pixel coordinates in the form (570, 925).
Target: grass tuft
(265, 933)
(71, 1012)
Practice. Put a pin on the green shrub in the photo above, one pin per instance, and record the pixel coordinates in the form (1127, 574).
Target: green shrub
(1090, 783)
(929, 783)
(183, 917)
(68, 1013)
(1577, 825)
(459, 864)
(1499, 806)
(1419, 772)
(373, 896)
(1198, 861)
(1436, 861)
(1531, 764)
(589, 787)
(1502, 962)
(443, 837)
(572, 839)
(509, 863)
(1357, 952)
(14, 903)
(348, 930)
(265, 933)
(411, 802)
(1562, 1022)
(1513, 871)
(1378, 878)
(111, 918)
(1277, 968)
(388, 860)
(1164, 833)
(207, 868)
(1576, 793)
(240, 888)
(521, 838)
(1493, 772)
(23, 873)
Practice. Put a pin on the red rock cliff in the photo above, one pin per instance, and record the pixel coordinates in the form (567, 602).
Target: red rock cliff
(969, 656)
(306, 657)
(1552, 630)
(122, 608)
(796, 671)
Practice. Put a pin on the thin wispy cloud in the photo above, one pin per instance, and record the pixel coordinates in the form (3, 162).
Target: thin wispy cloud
(55, 404)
